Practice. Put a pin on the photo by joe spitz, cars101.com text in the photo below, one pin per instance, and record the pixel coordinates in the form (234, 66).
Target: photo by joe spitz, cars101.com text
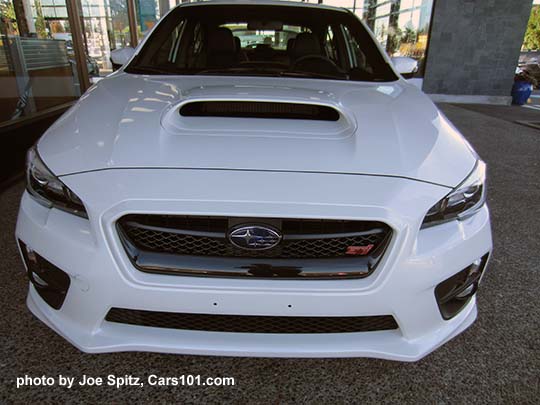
(288, 196)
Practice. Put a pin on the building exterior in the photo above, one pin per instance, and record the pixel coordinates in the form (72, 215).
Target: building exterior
(474, 49)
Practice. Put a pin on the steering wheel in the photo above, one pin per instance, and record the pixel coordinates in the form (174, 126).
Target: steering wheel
(321, 63)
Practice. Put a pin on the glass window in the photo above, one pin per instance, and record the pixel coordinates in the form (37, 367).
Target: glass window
(401, 26)
(147, 15)
(330, 45)
(357, 58)
(37, 64)
(106, 27)
(263, 41)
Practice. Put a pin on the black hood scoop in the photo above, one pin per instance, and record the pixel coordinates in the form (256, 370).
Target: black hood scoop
(259, 109)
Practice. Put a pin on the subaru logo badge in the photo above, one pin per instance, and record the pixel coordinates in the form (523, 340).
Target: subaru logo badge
(254, 237)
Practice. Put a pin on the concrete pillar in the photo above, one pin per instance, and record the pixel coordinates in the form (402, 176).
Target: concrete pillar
(474, 49)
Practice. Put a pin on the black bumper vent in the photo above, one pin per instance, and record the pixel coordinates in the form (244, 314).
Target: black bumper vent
(252, 324)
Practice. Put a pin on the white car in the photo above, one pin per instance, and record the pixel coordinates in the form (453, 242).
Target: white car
(210, 199)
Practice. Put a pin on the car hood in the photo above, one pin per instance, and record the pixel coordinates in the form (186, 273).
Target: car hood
(133, 121)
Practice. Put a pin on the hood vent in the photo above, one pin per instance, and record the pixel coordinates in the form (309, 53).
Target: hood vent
(256, 109)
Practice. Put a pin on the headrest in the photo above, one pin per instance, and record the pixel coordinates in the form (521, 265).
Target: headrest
(306, 44)
(237, 44)
(290, 45)
(221, 40)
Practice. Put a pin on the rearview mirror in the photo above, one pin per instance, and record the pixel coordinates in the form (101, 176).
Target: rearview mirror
(121, 56)
(265, 25)
(406, 66)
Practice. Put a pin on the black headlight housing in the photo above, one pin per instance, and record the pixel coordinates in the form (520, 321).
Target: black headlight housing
(47, 189)
(463, 201)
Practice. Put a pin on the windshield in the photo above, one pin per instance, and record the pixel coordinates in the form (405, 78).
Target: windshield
(252, 40)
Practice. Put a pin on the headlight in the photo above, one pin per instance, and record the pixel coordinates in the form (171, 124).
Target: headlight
(47, 189)
(463, 201)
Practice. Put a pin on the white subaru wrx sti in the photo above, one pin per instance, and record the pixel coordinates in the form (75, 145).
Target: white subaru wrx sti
(257, 180)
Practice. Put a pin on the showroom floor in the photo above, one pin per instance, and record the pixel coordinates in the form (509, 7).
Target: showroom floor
(496, 360)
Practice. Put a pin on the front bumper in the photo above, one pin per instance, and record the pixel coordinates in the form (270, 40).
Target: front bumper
(403, 284)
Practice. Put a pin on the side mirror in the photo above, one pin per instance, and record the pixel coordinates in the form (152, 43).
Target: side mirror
(121, 56)
(406, 66)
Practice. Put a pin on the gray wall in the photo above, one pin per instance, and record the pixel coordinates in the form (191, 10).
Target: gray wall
(474, 46)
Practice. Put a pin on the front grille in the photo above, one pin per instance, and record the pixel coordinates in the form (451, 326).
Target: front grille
(252, 324)
(302, 239)
(199, 245)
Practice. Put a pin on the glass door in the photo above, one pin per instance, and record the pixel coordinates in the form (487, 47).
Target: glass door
(106, 28)
(38, 68)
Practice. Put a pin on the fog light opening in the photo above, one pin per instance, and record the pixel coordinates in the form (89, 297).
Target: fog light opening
(50, 282)
(31, 255)
(38, 280)
(454, 293)
(475, 268)
(467, 292)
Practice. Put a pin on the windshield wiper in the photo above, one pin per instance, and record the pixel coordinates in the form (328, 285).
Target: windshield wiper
(239, 71)
(149, 70)
(271, 72)
(294, 73)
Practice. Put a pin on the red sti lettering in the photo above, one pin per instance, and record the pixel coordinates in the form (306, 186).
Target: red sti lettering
(358, 250)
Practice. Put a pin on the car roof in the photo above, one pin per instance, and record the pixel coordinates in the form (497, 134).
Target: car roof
(260, 3)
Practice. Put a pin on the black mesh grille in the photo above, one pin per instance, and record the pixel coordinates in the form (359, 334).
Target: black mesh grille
(207, 236)
(252, 324)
